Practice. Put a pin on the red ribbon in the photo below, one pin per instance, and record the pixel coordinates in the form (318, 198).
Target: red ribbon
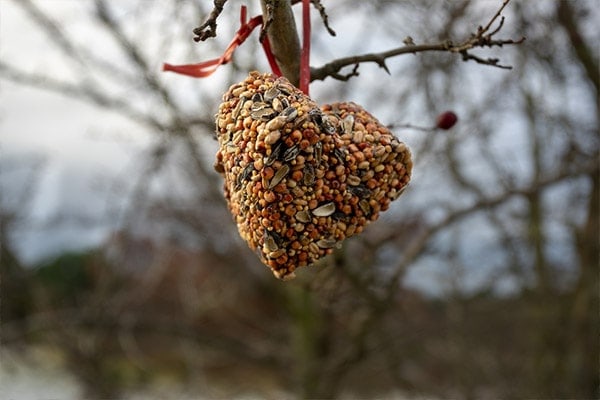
(305, 55)
(206, 68)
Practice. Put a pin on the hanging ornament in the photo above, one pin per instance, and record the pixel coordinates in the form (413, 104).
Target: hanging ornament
(299, 178)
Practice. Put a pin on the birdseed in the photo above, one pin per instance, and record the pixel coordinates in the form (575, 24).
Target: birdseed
(300, 179)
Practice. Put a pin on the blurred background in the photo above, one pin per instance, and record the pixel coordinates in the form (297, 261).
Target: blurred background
(123, 275)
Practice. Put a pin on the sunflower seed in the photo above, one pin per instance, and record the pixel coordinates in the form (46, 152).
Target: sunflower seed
(275, 153)
(243, 176)
(285, 89)
(308, 175)
(258, 105)
(364, 206)
(263, 114)
(348, 124)
(257, 97)
(279, 175)
(324, 210)
(270, 242)
(316, 115)
(326, 243)
(290, 113)
(318, 152)
(399, 193)
(303, 216)
(238, 108)
(339, 154)
(359, 191)
(327, 126)
(271, 93)
(291, 153)
(338, 215)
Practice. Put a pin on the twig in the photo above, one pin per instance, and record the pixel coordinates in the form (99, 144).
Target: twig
(485, 61)
(134, 53)
(479, 39)
(345, 77)
(333, 68)
(491, 21)
(209, 28)
(321, 9)
(324, 17)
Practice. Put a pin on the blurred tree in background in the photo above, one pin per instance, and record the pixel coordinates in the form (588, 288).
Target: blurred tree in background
(481, 281)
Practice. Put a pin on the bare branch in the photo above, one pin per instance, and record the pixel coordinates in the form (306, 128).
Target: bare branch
(565, 16)
(80, 55)
(81, 92)
(52, 28)
(332, 68)
(324, 17)
(420, 242)
(209, 28)
(479, 39)
(345, 77)
(319, 6)
(491, 21)
(134, 53)
(485, 61)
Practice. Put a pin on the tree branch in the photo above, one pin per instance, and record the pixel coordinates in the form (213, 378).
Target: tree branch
(81, 92)
(420, 242)
(482, 38)
(209, 28)
(321, 9)
(80, 55)
(585, 55)
(282, 33)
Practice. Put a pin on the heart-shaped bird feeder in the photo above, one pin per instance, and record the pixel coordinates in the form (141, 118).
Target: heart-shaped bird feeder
(299, 178)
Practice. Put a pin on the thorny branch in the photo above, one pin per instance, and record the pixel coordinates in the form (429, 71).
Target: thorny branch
(482, 38)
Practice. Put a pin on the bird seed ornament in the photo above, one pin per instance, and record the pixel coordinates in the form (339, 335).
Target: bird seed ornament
(299, 178)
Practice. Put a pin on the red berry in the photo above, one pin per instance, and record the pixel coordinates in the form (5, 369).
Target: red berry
(446, 120)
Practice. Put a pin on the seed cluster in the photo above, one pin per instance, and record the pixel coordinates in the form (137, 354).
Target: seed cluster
(299, 179)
